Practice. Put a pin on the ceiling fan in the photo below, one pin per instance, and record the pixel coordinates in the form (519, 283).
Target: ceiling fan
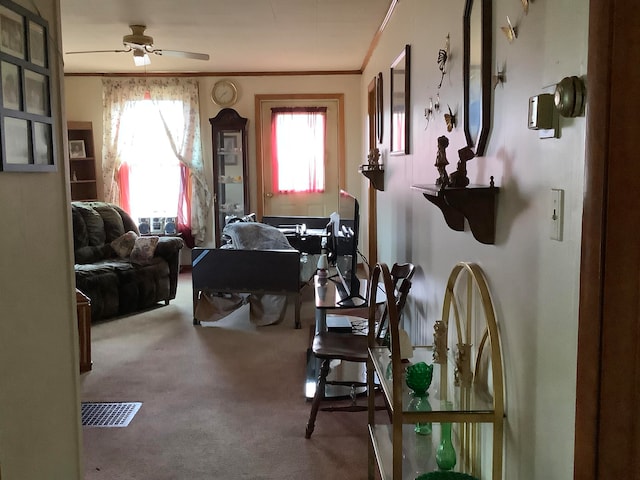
(142, 45)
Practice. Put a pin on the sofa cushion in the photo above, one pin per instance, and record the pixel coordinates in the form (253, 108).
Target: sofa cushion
(94, 223)
(129, 224)
(113, 226)
(92, 254)
(123, 245)
(144, 249)
(80, 234)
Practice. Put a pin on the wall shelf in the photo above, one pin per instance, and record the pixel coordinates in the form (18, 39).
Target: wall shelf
(476, 203)
(375, 174)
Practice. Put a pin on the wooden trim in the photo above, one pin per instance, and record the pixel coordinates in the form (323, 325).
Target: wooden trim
(607, 432)
(258, 99)
(372, 225)
(376, 38)
(218, 74)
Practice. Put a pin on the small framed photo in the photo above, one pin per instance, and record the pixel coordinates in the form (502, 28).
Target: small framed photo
(76, 149)
(36, 93)
(37, 51)
(10, 86)
(11, 32)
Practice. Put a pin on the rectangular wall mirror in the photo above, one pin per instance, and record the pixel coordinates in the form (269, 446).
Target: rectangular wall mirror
(400, 105)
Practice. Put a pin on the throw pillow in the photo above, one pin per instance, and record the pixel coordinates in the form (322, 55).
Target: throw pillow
(123, 245)
(143, 250)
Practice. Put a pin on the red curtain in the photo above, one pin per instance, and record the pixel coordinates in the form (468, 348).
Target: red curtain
(123, 185)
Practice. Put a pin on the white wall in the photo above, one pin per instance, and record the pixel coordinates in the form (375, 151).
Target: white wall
(84, 102)
(533, 279)
(40, 433)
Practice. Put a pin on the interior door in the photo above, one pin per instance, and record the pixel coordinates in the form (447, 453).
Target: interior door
(300, 204)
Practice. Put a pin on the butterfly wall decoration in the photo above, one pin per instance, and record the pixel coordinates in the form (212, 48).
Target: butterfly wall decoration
(510, 31)
(450, 119)
(443, 56)
(525, 6)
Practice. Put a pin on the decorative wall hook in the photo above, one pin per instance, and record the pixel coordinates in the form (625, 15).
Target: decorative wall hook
(510, 31)
(443, 57)
(450, 119)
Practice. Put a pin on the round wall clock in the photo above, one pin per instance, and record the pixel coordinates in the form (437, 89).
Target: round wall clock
(224, 93)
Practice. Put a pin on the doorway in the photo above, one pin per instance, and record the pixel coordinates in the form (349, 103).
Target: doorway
(270, 202)
(607, 438)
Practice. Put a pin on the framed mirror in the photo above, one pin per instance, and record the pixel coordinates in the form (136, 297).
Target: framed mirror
(379, 108)
(477, 73)
(400, 105)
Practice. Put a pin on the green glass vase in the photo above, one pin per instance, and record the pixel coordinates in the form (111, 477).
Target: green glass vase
(445, 454)
(419, 377)
(420, 403)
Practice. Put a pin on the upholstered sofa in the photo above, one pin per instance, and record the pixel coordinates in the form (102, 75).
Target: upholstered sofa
(119, 270)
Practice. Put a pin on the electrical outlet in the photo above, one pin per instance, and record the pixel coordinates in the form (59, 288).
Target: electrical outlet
(556, 213)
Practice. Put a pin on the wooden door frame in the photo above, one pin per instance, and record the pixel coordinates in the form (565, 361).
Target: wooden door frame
(372, 111)
(607, 432)
(339, 97)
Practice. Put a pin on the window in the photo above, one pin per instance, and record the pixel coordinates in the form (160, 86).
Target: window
(298, 139)
(150, 170)
(150, 127)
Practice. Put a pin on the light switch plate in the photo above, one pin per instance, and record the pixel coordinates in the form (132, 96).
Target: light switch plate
(556, 213)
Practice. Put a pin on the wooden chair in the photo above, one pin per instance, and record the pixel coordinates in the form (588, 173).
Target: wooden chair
(328, 346)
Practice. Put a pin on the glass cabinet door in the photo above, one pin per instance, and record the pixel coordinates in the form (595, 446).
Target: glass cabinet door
(231, 188)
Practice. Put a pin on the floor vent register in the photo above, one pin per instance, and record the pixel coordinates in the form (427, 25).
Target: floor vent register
(112, 414)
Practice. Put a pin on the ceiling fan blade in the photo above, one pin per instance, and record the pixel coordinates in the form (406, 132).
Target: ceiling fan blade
(98, 51)
(178, 53)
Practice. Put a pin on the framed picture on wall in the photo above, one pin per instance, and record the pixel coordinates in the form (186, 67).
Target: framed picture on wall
(27, 139)
(379, 108)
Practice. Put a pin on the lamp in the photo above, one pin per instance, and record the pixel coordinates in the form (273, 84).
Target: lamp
(140, 58)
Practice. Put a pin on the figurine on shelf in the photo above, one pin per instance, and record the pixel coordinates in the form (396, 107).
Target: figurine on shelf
(374, 158)
(441, 162)
(459, 177)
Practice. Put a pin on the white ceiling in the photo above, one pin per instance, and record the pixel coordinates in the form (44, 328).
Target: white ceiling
(238, 35)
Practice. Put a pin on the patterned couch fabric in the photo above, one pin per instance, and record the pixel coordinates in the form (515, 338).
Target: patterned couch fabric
(115, 285)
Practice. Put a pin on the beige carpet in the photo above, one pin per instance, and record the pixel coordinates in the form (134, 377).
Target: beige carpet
(219, 402)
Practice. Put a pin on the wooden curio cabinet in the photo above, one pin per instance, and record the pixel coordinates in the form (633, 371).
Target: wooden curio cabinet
(230, 168)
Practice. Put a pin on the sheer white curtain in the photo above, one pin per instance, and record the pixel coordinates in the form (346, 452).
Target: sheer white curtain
(298, 137)
(120, 95)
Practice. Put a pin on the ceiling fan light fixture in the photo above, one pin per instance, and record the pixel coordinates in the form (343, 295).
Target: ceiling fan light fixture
(140, 58)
